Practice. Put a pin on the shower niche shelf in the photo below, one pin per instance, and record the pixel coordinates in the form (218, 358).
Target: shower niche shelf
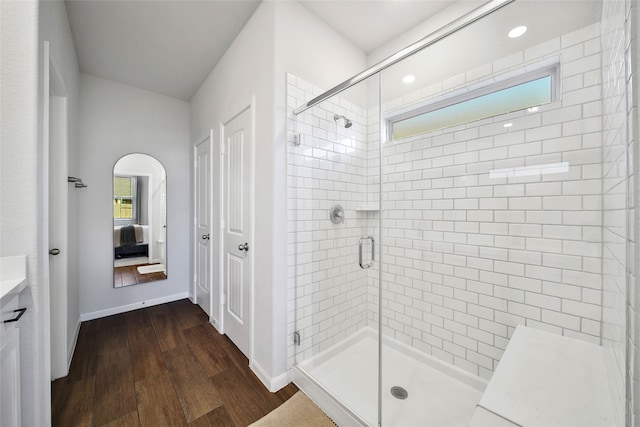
(367, 207)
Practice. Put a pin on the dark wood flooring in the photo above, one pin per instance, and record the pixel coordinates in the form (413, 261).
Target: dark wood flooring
(129, 275)
(160, 366)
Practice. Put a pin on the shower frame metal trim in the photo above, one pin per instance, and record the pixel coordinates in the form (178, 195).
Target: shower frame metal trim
(423, 43)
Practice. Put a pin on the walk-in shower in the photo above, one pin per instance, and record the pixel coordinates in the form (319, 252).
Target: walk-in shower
(489, 192)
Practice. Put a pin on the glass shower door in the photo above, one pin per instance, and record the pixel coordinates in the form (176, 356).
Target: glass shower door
(333, 239)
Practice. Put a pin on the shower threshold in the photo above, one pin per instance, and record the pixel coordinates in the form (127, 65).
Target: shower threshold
(343, 381)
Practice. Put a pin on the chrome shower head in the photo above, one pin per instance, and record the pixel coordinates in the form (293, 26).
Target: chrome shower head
(347, 122)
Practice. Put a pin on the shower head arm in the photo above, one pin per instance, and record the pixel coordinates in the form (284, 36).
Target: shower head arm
(347, 123)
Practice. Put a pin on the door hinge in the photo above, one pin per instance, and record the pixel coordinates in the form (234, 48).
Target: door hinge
(296, 338)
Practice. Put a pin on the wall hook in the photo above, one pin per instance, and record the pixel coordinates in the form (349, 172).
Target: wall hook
(77, 181)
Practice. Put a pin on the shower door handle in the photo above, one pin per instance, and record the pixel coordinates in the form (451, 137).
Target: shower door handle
(373, 251)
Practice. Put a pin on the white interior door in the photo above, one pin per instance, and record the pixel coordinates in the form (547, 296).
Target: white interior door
(162, 240)
(237, 244)
(58, 226)
(203, 225)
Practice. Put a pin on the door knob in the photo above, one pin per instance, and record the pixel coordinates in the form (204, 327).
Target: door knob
(54, 251)
(244, 247)
(205, 237)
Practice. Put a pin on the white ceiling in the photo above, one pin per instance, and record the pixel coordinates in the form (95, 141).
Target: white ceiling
(167, 47)
(369, 24)
(171, 46)
(486, 41)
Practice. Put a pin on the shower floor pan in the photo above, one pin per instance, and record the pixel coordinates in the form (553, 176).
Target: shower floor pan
(343, 381)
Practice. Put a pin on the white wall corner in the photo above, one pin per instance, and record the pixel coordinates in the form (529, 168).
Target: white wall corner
(72, 347)
(272, 383)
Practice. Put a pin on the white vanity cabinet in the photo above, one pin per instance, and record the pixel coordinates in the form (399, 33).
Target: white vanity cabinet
(9, 366)
(12, 282)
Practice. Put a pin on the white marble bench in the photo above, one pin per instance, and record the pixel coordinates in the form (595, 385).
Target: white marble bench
(545, 379)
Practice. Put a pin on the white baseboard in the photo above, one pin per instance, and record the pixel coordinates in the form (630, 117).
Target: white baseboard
(72, 349)
(129, 307)
(273, 384)
(215, 323)
(280, 381)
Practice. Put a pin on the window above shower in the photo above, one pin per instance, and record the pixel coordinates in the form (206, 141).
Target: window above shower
(525, 91)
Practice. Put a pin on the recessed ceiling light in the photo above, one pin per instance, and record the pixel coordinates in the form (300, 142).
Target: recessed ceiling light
(507, 125)
(517, 32)
(409, 79)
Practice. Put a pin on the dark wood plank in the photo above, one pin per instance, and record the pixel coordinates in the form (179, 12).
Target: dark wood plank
(162, 365)
(85, 357)
(188, 313)
(211, 356)
(233, 352)
(146, 354)
(285, 393)
(158, 403)
(194, 389)
(242, 363)
(273, 399)
(168, 330)
(72, 402)
(114, 392)
(236, 393)
(112, 332)
(219, 417)
(137, 319)
(129, 420)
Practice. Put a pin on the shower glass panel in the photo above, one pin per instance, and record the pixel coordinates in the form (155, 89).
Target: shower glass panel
(333, 193)
(492, 205)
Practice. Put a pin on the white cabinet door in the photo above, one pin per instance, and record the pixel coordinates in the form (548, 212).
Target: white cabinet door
(10, 409)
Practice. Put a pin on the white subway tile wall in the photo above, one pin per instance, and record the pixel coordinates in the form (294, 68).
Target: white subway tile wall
(484, 227)
(488, 227)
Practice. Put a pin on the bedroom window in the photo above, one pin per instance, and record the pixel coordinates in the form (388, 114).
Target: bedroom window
(527, 90)
(124, 199)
